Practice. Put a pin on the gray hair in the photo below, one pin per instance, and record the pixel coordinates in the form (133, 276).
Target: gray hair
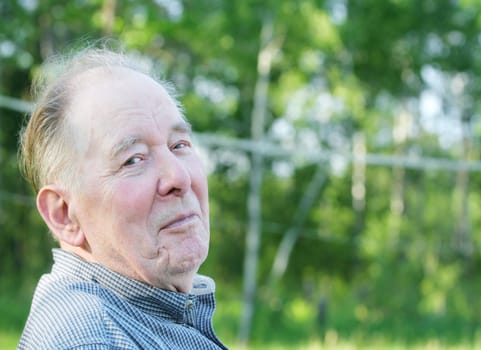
(46, 151)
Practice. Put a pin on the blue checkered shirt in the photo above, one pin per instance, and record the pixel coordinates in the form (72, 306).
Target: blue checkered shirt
(80, 305)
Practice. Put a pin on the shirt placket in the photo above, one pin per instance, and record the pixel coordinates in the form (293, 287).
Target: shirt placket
(190, 310)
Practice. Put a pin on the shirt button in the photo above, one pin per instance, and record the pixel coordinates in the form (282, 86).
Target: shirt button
(189, 303)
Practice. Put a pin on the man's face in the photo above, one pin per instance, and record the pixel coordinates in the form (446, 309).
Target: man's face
(142, 200)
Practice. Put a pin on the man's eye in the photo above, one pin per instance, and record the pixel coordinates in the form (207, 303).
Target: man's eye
(133, 160)
(181, 144)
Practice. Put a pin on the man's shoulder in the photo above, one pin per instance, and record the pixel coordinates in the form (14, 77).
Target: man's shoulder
(58, 293)
(66, 309)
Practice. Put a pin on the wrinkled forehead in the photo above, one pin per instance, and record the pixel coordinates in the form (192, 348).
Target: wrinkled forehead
(103, 100)
(112, 81)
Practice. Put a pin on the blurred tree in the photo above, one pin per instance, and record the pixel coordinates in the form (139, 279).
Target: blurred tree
(402, 73)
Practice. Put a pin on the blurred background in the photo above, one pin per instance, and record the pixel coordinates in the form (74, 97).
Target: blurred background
(341, 139)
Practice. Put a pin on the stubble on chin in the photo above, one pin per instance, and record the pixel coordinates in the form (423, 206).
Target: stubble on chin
(180, 253)
(174, 274)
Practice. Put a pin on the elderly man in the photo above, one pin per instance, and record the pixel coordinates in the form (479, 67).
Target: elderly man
(121, 188)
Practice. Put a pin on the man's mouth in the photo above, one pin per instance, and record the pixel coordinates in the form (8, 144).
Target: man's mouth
(180, 220)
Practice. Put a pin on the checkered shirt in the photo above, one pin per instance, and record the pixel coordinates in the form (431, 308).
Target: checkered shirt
(81, 305)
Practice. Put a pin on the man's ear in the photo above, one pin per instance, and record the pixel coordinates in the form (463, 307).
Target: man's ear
(53, 205)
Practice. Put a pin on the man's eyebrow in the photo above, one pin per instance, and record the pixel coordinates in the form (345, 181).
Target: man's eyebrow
(183, 126)
(123, 145)
(129, 141)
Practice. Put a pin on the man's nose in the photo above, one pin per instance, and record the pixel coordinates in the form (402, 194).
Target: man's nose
(174, 177)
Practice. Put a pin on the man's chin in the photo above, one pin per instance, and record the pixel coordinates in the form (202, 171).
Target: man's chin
(187, 266)
(180, 279)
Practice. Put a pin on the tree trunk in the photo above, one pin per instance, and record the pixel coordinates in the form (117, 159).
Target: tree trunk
(400, 134)
(358, 189)
(286, 246)
(267, 51)
(461, 194)
(108, 16)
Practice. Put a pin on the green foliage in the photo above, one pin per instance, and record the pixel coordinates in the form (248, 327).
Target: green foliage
(394, 271)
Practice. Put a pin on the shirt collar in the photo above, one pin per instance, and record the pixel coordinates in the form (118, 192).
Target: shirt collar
(169, 304)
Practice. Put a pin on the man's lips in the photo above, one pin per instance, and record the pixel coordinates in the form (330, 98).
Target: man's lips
(180, 220)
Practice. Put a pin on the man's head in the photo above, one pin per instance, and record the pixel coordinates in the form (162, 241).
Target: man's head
(119, 183)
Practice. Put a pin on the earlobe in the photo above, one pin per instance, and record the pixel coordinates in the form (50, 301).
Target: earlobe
(53, 206)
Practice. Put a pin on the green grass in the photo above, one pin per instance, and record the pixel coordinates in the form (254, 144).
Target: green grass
(13, 313)
(294, 326)
(9, 339)
(331, 341)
